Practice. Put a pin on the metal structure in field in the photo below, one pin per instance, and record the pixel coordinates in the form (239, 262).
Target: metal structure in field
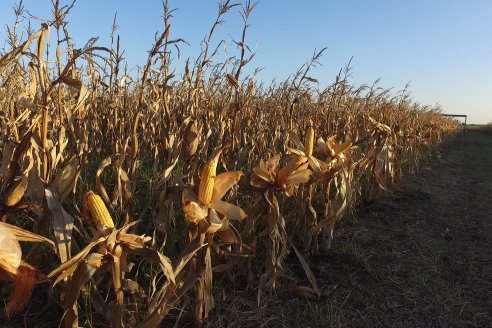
(456, 115)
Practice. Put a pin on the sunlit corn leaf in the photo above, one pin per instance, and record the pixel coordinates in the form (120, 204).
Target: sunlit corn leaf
(65, 181)
(225, 181)
(24, 235)
(231, 211)
(10, 252)
(67, 268)
(62, 225)
(99, 186)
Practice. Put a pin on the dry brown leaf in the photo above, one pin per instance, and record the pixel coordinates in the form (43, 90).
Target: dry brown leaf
(16, 191)
(24, 235)
(67, 268)
(153, 255)
(307, 269)
(306, 292)
(66, 180)
(232, 81)
(7, 156)
(231, 211)
(62, 225)
(10, 252)
(225, 181)
(99, 186)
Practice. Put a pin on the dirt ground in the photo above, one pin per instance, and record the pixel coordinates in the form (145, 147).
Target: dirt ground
(420, 257)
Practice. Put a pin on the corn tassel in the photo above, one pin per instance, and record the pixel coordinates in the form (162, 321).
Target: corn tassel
(98, 210)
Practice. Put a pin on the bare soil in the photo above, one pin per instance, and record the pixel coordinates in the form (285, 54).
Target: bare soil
(419, 257)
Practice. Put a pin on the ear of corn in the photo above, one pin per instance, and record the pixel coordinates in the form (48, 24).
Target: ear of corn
(207, 180)
(291, 166)
(98, 210)
(309, 142)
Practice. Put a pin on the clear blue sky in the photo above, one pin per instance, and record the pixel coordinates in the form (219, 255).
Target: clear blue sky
(442, 47)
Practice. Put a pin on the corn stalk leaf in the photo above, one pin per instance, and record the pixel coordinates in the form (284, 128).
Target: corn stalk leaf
(24, 235)
(307, 269)
(62, 225)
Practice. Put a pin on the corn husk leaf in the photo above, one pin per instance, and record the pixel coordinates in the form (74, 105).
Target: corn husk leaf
(10, 252)
(298, 177)
(263, 174)
(224, 182)
(215, 223)
(194, 212)
(231, 211)
(24, 235)
(314, 164)
(338, 149)
(227, 236)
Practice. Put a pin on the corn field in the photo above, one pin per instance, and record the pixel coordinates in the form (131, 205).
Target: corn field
(129, 194)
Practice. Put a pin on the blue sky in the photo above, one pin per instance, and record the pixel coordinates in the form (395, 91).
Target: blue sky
(442, 47)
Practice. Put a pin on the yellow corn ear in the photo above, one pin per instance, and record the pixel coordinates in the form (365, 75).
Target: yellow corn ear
(309, 141)
(290, 167)
(98, 210)
(207, 179)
